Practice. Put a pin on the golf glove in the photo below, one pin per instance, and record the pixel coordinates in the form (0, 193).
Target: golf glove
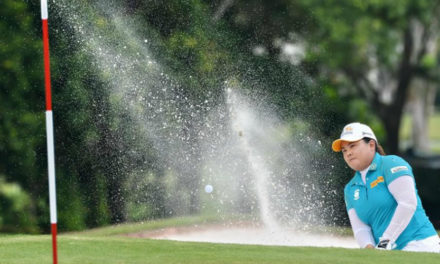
(385, 244)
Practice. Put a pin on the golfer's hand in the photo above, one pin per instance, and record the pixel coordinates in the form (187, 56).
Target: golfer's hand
(384, 244)
(369, 246)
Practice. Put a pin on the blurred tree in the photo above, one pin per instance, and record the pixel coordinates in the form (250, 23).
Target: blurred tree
(370, 49)
(421, 106)
(351, 49)
(15, 205)
(22, 140)
(377, 48)
(272, 46)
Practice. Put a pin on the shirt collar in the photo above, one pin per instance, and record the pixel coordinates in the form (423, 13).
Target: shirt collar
(377, 161)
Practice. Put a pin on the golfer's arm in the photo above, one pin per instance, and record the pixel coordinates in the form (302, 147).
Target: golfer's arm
(362, 232)
(403, 190)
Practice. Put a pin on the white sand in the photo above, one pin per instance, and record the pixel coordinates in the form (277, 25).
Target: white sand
(251, 235)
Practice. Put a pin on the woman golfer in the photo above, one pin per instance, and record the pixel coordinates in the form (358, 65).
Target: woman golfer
(384, 208)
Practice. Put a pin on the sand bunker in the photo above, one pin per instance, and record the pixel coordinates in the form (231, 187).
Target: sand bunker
(249, 235)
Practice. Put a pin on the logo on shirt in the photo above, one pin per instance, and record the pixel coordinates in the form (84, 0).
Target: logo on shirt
(398, 168)
(356, 194)
(376, 181)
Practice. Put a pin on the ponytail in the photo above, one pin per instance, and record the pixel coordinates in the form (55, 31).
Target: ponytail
(379, 148)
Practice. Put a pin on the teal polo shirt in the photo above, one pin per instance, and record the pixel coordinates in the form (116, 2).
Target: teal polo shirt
(375, 205)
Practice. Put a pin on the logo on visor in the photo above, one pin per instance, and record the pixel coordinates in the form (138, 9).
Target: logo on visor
(347, 130)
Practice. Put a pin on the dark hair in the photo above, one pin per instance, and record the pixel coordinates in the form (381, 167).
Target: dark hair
(379, 148)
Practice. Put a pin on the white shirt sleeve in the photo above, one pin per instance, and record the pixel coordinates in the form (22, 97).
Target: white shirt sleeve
(362, 232)
(403, 190)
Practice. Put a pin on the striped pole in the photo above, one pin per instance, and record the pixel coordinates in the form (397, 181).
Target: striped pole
(49, 131)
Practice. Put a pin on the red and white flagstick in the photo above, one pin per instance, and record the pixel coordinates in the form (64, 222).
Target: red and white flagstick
(49, 132)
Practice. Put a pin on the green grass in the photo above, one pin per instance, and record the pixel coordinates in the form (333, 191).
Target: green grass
(109, 245)
(20, 249)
